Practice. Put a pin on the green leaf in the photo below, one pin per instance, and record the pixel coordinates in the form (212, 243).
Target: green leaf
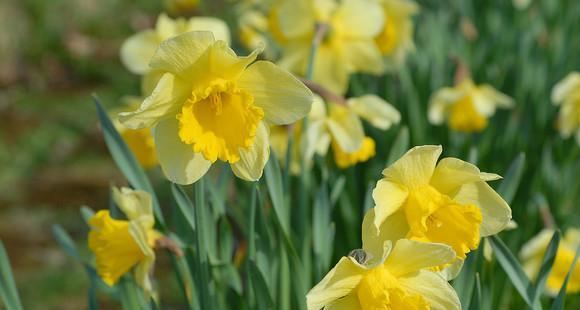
(464, 283)
(476, 297)
(8, 292)
(87, 213)
(125, 159)
(400, 146)
(559, 302)
(546, 267)
(322, 232)
(276, 191)
(65, 242)
(184, 205)
(511, 182)
(513, 270)
(261, 290)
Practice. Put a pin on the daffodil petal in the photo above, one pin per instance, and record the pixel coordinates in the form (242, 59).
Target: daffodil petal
(565, 87)
(339, 282)
(298, 19)
(252, 160)
(409, 256)
(178, 161)
(375, 110)
(346, 128)
(137, 51)
(393, 228)
(360, 18)
(389, 197)
(331, 70)
(283, 98)
(218, 27)
(495, 211)
(312, 138)
(452, 271)
(363, 56)
(440, 102)
(348, 302)
(135, 204)
(451, 173)
(163, 102)
(434, 288)
(500, 99)
(178, 54)
(415, 168)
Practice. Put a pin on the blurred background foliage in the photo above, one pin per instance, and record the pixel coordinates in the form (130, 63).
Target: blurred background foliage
(54, 54)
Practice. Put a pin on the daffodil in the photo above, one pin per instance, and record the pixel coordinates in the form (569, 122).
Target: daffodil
(347, 46)
(466, 107)
(532, 254)
(140, 141)
(341, 127)
(123, 245)
(567, 94)
(396, 39)
(210, 104)
(137, 50)
(400, 279)
(447, 202)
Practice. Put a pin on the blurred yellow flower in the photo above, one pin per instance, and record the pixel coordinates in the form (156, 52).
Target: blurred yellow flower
(210, 104)
(567, 94)
(400, 279)
(466, 107)
(532, 254)
(120, 245)
(341, 127)
(137, 50)
(140, 141)
(348, 44)
(447, 202)
(396, 39)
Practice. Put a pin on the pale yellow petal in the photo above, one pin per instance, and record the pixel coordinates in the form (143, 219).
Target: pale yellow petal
(485, 176)
(348, 302)
(452, 271)
(178, 161)
(393, 228)
(298, 18)
(537, 245)
(331, 70)
(359, 19)
(346, 128)
(565, 87)
(409, 256)
(389, 197)
(283, 98)
(252, 160)
(375, 110)
(440, 102)
(177, 55)
(433, 288)
(135, 204)
(318, 110)
(217, 26)
(313, 138)
(500, 99)
(495, 211)
(137, 51)
(415, 168)
(339, 282)
(163, 102)
(451, 173)
(363, 56)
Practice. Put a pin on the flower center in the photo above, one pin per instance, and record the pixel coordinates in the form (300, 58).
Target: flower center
(115, 249)
(219, 122)
(344, 159)
(434, 217)
(380, 290)
(465, 117)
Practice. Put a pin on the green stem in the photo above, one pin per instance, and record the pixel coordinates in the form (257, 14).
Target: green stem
(200, 246)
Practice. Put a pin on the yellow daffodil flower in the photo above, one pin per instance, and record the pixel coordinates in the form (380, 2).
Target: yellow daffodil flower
(396, 38)
(140, 141)
(532, 254)
(341, 126)
(567, 94)
(400, 279)
(137, 50)
(121, 245)
(348, 45)
(467, 106)
(210, 104)
(447, 202)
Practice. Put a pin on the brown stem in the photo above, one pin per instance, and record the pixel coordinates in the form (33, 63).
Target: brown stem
(324, 92)
(165, 243)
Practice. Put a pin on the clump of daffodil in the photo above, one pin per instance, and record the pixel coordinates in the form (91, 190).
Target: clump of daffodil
(137, 50)
(124, 245)
(532, 254)
(140, 141)
(400, 279)
(210, 104)
(348, 29)
(447, 202)
(466, 107)
(567, 94)
(396, 39)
